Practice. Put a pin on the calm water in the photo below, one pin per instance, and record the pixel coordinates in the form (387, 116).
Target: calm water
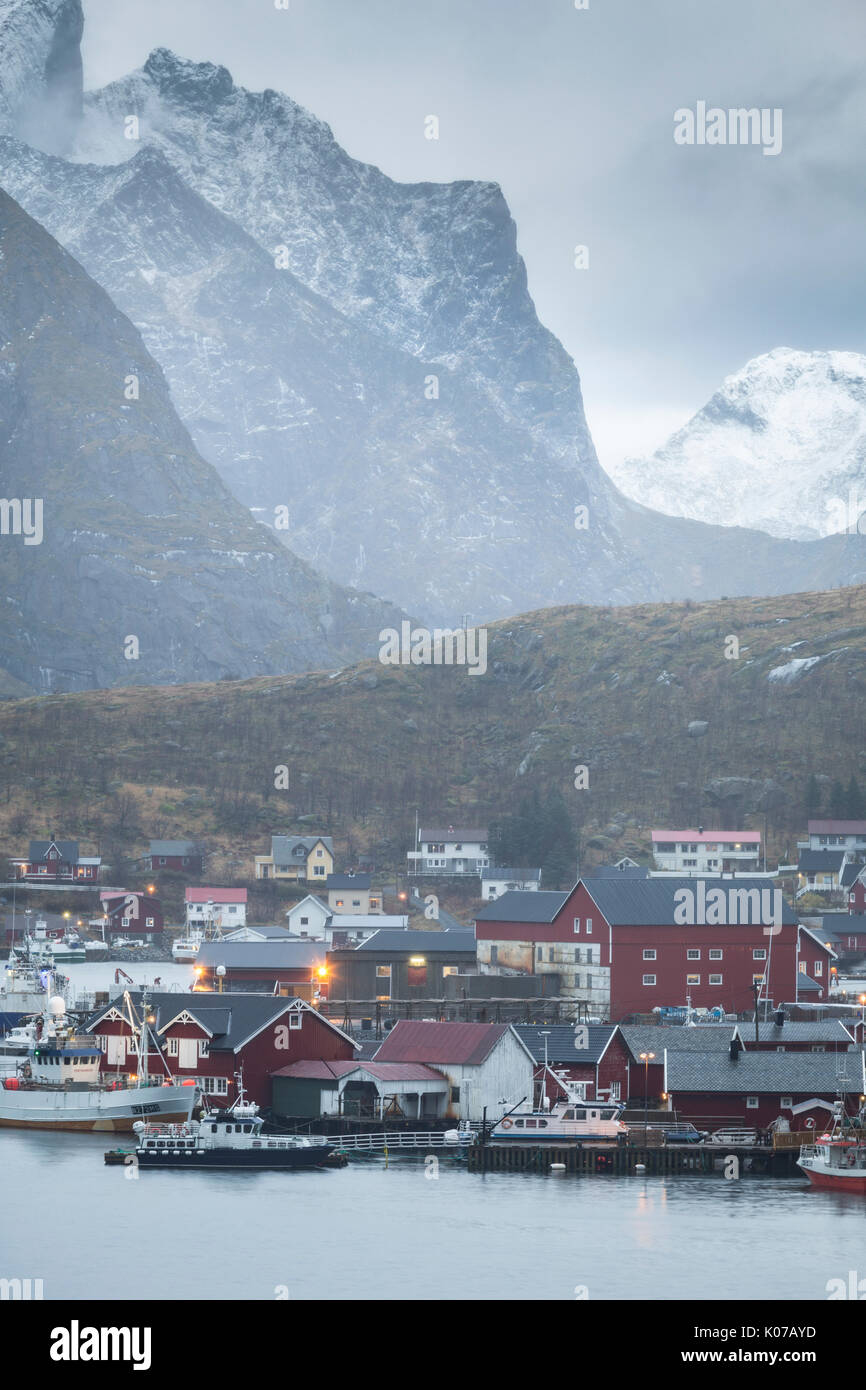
(375, 1233)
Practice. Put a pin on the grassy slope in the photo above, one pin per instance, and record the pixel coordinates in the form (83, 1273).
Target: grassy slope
(610, 688)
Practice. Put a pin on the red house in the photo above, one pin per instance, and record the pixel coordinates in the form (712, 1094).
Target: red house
(57, 861)
(176, 856)
(629, 945)
(594, 1056)
(211, 1037)
(723, 1088)
(137, 915)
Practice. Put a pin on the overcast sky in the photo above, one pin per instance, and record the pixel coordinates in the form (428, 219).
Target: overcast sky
(699, 257)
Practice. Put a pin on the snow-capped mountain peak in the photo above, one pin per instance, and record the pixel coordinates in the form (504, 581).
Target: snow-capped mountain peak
(781, 447)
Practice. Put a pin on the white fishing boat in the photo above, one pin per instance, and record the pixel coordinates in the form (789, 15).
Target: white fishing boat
(40, 949)
(567, 1121)
(57, 1085)
(22, 990)
(186, 947)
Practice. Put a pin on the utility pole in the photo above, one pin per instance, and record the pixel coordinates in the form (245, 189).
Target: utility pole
(756, 990)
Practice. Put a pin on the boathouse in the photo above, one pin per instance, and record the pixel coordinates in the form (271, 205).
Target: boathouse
(593, 1057)
(720, 1089)
(487, 1065)
(262, 967)
(360, 1090)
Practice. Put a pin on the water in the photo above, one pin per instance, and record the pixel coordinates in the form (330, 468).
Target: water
(374, 1233)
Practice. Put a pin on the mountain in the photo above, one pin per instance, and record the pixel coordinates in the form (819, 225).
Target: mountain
(40, 69)
(138, 537)
(670, 730)
(781, 447)
(304, 307)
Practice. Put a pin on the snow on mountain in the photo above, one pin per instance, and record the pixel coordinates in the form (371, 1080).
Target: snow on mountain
(40, 70)
(781, 448)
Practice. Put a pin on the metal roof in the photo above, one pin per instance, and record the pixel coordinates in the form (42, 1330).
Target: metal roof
(216, 895)
(383, 1071)
(68, 850)
(523, 907)
(756, 1072)
(414, 943)
(466, 1044)
(259, 955)
(344, 881)
(821, 1031)
(703, 1037)
(708, 837)
(652, 902)
(837, 827)
(172, 848)
(827, 860)
(498, 871)
(455, 835)
(286, 847)
(231, 1018)
(560, 1038)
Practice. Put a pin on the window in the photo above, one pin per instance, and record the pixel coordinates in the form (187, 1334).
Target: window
(757, 979)
(383, 972)
(149, 921)
(693, 955)
(589, 926)
(716, 979)
(204, 1048)
(649, 954)
(162, 861)
(693, 979)
(173, 1047)
(296, 1019)
(802, 967)
(819, 967)
(305, 921)
(786, 1102)
(649, 979)
(817, 1048)
(539, 953)
(452, 969)
(716, 954)
(614, 1090)
(214, 1086)
(577, 924)
(319, 870)
(339, 902)
(455, 1095)
(551, 956)
(751, 1102)
(589, 982)
(780, 1049)
(759, 954)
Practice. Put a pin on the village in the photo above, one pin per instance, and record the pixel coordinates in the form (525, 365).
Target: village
(371, 1007)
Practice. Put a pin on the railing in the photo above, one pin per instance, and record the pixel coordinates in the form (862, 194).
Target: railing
(369, 1143)
(794, 1139)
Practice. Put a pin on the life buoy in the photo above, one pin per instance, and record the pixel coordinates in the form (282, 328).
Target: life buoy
(507, 1124)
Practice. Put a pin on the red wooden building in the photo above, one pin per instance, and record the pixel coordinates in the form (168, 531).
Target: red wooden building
(593, 1056)
(210, 1037)
(57, 861)
(715, 1090)
(174, 856)
(263, 967)
(642, 943)
(136, 915)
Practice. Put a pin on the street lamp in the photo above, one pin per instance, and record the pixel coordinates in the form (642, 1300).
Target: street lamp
(646, 1058)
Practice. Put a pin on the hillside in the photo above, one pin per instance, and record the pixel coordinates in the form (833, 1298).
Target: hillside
(612, 689)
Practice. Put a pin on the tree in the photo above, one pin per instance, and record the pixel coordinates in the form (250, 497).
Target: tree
(537, 834)
(813, 797)
(853, 799)
(838, 801)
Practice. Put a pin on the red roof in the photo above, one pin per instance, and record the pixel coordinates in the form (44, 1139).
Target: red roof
(216, 895)
(439, 1043)
(837, 827)
(393, 1071)
(708, 837)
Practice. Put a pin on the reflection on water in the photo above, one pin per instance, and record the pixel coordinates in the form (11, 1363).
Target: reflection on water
(369, 1232)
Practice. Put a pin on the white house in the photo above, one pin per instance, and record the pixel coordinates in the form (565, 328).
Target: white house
(449, 851)
(496, 881)
(849, 835)
(691, 852)
(486, 1064)
(309, 917)
(219, 907)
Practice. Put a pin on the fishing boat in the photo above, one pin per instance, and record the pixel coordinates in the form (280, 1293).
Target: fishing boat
(40, 949)
(568, 1121)
(186, 947)
(230, 1138)
(838, 1159)
(57, 1084)
(22, 991)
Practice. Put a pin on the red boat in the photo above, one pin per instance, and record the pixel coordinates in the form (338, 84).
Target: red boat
(838, 1159)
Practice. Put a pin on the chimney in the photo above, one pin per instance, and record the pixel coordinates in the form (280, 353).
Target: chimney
(735, 1049)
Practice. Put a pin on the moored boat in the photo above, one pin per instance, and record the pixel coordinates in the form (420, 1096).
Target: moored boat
(838, 1159)
(568, 1121)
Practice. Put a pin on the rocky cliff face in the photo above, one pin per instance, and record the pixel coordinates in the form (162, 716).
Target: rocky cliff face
(40, 70)
(139, 539)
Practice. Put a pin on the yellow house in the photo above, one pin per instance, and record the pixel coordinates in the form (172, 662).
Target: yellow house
(296, 858)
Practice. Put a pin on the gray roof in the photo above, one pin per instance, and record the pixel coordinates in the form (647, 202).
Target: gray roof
(560, 1042)
(523, 907)
(361, 882)
(232, 1018)
(172, 848)
(286, 848)
(827, 1030)
(255, 955)
(611, 871)
(270, 933)
(454, 834)
(703, 1037)
(498, 871)
(413, 943)
(826, 861)
(843, 923)
(39, 849)
(651, 902)
(850, 873)
(794, 1073)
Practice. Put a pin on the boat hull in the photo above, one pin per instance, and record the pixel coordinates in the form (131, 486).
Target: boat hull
(95, 1111)
(226, 1158)
(835, 1181)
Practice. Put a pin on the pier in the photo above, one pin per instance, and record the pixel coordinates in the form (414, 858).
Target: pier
(625, 1158)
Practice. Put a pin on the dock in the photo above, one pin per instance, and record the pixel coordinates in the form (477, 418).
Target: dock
(625, 1158)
